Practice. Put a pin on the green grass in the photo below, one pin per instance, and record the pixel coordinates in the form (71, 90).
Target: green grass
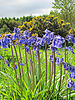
(9, 89)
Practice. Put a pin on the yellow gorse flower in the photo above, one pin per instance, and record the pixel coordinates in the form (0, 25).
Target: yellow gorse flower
(12, 34)
(68, 23)
(22, 31)
(34, 34)
(31, 28)
(3, 35)
(63, 23)
(51, 15)
(55, 17)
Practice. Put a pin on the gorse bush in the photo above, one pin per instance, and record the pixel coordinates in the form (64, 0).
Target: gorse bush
(39, 24)
(31, 74)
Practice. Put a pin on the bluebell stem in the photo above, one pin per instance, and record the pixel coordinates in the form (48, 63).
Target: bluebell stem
(15, 67)
(46, 60)
(27, 67)
(21, 60)
(54, 65)
(50, 73)
(19, 68)
(32, 70)
(33, 67)
(39, 69)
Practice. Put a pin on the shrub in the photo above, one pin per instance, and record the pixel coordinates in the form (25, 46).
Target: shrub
(39, 24)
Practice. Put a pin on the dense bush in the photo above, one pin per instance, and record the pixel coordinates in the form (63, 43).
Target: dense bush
(39, 24)
(12, 22)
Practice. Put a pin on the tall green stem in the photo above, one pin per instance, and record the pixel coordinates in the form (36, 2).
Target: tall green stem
(21, 61)
(65, 54)
(19, 67)
(39, 69)
(27, 67)
(14, 66)
(54, 69)
(33, 67)
(46, 61)
(50, 75)
(60, 78)
(32, 70)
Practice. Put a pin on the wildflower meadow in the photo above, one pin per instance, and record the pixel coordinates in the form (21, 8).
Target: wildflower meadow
(35, 66)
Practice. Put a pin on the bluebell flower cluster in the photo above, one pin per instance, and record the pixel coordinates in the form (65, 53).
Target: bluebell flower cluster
(71, 49)
(57, 43)
(71, 84)
(69, 67)
(57, 60)
(70, 38)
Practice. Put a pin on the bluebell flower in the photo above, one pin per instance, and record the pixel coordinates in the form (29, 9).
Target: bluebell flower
(70, 76)
(70, 38)
(69, 67)
(21, 41)
(57, 60)
(50, 58)
(37, 45)
(64, 64)
(17, 30)
(36, 54)
(1, 57)
(73, 86)
(15, 66)
(27, 49)
(70, 48)
(17, 33)
(68, 85)
(27, 33)
(3, 44)
(71, 83)
(58, 53)
(62, 60)
(58, 41)
(72, 52)
(1, 35)
(8, 35)
(20, 64)
(47, 31)
(53, 48)
(74, 76)
(42, 42)
(7, 62)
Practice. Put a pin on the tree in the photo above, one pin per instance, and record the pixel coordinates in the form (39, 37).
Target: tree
(67, 9)
(4, 29)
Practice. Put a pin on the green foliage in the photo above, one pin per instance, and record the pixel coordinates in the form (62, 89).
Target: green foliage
(67, 9)
(4, 29)
(12, 22)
